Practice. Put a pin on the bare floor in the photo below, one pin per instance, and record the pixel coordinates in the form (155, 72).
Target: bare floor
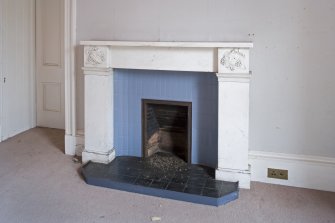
(38, 183)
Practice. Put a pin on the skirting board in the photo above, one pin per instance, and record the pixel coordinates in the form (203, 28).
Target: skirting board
(313, 172)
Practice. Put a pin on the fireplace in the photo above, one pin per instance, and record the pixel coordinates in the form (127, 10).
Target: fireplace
(229, 62)
(167, 127)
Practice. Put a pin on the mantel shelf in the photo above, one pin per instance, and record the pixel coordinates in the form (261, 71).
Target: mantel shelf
(169, 44)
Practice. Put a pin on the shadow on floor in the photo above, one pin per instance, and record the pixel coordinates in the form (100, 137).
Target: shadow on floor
(54, 136)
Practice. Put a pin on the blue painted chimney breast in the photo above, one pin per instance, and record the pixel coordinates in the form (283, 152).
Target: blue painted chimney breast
(131, 86)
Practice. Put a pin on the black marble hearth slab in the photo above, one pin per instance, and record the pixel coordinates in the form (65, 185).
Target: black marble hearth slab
(162, 175)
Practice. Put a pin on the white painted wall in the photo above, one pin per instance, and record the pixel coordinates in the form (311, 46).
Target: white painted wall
(292, 93)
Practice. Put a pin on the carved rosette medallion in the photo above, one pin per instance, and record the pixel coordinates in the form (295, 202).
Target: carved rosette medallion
(234, 61)
(96, 56)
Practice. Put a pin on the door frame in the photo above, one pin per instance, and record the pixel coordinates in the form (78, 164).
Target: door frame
(70, 43)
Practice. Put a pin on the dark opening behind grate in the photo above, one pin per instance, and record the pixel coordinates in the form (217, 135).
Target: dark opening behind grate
(167, 127)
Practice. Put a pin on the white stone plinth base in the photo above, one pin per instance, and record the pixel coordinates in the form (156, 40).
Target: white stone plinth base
(98, 157)
(241, 176)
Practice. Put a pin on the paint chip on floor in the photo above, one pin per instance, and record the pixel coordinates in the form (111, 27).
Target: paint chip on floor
(156, 218)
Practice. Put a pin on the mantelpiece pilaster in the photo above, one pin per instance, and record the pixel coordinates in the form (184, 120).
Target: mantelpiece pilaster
(233, 126)
(99, 113)
(230, 61)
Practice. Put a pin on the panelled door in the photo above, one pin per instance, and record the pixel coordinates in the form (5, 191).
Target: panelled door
(50, 63)
(17, 62)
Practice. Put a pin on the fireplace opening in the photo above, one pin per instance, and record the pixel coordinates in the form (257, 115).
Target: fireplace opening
(167, 128)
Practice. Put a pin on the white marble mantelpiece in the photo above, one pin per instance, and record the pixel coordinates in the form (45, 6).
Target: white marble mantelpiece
(228, 60)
